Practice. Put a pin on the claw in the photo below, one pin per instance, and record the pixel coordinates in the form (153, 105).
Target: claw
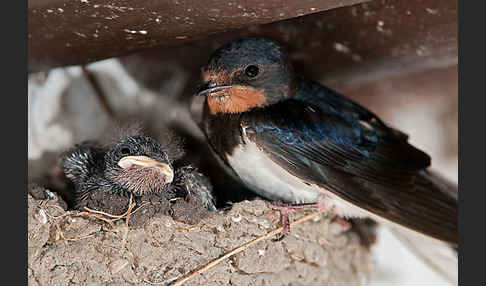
(285, 222)
(285, 209)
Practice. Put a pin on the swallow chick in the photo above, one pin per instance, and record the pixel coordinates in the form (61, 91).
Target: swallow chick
(293, 140)
(138, 165)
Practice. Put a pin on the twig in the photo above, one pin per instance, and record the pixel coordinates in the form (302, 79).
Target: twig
(188, 228)
(131, 205)
(61, 234)
(160, 283)
(124, 215)
(98, 216)
(56, 206)
(77, 238)
(56, 217)
(141, 206)
(237, 250)
(103, 213)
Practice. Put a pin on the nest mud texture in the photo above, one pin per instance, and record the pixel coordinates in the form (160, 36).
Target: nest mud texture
(146, 207)
(67, 248)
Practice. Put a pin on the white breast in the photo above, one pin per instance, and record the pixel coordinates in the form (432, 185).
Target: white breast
(271, 181)
(267, 178)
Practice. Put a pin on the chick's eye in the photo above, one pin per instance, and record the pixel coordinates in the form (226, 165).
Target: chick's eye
(125, 151)
(252, 71)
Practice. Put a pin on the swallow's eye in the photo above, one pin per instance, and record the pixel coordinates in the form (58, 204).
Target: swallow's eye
(252, 71)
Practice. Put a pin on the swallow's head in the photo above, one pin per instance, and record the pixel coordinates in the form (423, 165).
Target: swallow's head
(139, 164)
(246, 74)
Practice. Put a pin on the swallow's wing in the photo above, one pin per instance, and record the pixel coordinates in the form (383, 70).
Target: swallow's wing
(316, 94)
(79, 162)
(361, 161)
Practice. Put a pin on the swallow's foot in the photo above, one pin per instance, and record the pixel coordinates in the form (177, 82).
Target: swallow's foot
(285, 209)
(342, 222)
(285, 223)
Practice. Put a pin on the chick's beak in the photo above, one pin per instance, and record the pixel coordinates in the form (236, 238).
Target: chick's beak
(144, 161)
(211, 86)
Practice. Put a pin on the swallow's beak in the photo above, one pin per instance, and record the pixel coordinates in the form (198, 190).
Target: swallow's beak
(144, 161)
(210, 87)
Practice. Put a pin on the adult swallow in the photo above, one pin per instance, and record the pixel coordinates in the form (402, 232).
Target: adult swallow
(136, 165)
(294, 140)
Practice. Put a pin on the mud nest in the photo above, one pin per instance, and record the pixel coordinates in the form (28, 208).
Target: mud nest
(156, 248)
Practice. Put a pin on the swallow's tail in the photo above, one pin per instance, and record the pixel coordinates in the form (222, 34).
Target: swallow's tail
(445, 186)
(440, 256)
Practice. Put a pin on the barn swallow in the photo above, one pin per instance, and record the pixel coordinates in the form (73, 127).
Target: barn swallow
(135, 165)
(293, 140)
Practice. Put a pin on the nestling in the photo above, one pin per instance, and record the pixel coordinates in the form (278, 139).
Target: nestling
(137, 165)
